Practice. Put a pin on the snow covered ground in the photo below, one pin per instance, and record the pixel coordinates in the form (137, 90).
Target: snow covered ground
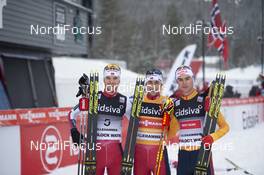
(242, 79)
(243, 148)
(246, 150)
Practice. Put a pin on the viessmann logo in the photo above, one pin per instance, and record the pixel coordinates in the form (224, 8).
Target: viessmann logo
(188, 111)
(51, 156)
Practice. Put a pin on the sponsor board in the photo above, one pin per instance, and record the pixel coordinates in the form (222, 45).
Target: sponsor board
(44, 148)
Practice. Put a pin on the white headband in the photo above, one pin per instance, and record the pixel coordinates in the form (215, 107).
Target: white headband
(154, 77)
(112, 72)
(184, 71)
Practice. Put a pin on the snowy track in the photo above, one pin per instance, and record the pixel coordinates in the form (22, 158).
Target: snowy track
(246, 151)
(243, 148)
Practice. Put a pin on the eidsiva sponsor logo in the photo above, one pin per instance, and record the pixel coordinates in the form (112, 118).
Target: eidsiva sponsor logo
(110, 108)
(188, 111)
(150, 111)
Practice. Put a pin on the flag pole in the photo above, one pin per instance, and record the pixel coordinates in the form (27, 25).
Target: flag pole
(203, 55)
(262, 36)
(222, 63)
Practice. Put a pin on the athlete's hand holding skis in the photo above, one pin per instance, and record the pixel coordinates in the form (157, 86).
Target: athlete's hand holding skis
(149, 127)
(102, 128)
(190, 110)
(77, 138)
(167, 110)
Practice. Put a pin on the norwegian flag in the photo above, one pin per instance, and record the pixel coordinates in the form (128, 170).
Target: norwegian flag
(217, 36)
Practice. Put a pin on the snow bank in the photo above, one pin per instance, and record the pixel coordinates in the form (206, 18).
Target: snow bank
(241, 79)
(68, 70)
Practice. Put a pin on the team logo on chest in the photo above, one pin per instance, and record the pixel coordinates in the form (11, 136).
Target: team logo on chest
(109, 109)
(188, 111)
(152, 110)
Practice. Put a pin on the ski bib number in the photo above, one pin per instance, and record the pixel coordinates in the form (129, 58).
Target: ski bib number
(109, 128)
(191, 132)
(107, 122)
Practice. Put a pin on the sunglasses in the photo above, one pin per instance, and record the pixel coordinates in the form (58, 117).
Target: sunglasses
(154, 71)
(112, 67)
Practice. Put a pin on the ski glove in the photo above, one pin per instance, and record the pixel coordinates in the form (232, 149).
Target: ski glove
(83, 82)
(73, 123)
(167, 106)
(75, 134)
(208, 141)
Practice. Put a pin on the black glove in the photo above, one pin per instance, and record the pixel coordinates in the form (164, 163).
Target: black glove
(75, 134)
(83, 82)
(80, 92)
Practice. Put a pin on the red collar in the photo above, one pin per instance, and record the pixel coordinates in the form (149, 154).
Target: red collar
(109, 95)
(153, 97)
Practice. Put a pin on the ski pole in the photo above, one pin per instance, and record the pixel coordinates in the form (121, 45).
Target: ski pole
(236, 167)
(79, 151)
(165, 123)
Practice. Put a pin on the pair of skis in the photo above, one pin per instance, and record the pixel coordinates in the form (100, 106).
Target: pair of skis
(128, 154)
(215, 93)
(88, 128)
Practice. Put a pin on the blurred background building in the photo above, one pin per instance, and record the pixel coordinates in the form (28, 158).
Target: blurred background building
(26, 70)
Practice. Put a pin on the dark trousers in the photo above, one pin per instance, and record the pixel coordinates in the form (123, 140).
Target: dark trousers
(187, 161)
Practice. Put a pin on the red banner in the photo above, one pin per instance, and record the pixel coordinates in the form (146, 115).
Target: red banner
(242, 101)
(33, 116)
(46, 147)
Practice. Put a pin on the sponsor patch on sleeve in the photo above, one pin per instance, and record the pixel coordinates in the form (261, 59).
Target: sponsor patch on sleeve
(200, 99)
(122, 99)
(177, 103)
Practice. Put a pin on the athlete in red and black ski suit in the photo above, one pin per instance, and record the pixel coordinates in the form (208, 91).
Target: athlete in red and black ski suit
(111, 109)
(150, 128)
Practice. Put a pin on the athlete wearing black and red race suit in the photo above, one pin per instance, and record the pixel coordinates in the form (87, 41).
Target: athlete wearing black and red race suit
(111, 110)
(150, 127)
